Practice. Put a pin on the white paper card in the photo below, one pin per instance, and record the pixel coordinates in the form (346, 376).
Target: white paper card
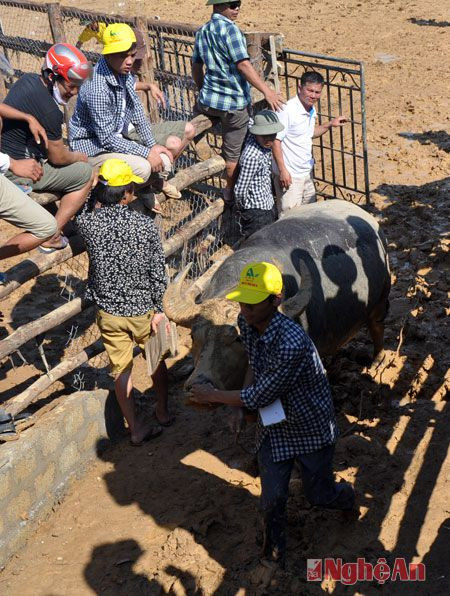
(272, 414)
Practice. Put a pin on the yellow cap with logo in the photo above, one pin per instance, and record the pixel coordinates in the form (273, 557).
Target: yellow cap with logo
(118, 37)
(257, 282)
(116, 172)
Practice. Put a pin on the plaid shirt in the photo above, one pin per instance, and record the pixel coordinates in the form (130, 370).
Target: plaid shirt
(286, 366)
(94, 126)
(219, 45)
(253, 189)
(127, 275)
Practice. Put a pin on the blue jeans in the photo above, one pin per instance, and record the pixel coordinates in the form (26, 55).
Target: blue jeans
(318, 484)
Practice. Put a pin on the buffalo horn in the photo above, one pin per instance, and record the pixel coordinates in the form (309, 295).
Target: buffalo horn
(293, 307)
(178, 304)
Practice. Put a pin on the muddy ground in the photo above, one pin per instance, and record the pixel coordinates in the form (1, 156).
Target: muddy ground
(180, 515)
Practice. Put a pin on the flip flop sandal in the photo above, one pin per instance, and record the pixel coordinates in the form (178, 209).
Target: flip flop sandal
(7, 429)
(50, 249)
(154, 432)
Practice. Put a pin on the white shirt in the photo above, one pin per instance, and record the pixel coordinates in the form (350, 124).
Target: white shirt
(4, 163)
(296, 138)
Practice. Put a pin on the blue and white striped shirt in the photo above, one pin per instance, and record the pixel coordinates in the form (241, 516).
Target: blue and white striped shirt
(220, 45)
(99, 119)
(286, 366)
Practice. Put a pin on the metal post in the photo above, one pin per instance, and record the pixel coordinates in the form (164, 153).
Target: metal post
(364, 135)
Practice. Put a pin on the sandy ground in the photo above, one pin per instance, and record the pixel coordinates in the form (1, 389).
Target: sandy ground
(180, 515)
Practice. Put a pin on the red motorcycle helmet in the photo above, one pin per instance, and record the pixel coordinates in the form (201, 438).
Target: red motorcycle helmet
(65, 60)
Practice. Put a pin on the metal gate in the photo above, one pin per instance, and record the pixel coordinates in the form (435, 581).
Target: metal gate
(341, 166)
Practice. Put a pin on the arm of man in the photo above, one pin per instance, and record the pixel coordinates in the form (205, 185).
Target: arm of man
(198, 74)
(60, 155)
(35, 127)
(154, 90)
(264, 390)
(321, 129)
(275, 100)
(277, 152)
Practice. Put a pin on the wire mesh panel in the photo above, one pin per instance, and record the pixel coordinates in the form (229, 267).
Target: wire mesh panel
(25, 35)
(341, 163)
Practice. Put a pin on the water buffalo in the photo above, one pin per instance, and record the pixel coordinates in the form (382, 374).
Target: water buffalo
(336, 279)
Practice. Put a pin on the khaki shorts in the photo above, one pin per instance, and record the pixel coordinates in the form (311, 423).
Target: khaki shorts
(19, 209)
(301, 192)
(63, 179)
(234, 129)
(162, 131)
(119, 335)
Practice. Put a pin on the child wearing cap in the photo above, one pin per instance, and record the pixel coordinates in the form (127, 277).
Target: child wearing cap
(287, 385)
(126, 282)
(253, 189)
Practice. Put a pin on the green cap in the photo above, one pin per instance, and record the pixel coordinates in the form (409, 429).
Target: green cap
(217, 2)
(266, 123)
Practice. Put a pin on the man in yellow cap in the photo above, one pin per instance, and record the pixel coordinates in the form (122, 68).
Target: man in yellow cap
(126, 282)
(287, 385)
(109, 105)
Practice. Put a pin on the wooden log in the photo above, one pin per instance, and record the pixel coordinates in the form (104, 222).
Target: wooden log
(44, 198)
(25, 398)
(148, 70)
(254, 48)
(197, 172)
(52, 319)
(39, 263)
(56, 22)
(201, 123)
(193, 227)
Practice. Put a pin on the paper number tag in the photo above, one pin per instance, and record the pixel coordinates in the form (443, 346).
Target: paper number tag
(272, 414)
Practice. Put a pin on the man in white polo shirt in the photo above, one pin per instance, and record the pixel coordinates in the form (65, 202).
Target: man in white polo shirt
(292, 150)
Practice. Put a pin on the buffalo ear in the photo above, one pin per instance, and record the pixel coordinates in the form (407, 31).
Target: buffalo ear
(229, 334)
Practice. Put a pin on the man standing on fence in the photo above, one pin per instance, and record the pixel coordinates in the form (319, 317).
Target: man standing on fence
(223, 73)
(64, 71)
(109, 104)
(292, 151)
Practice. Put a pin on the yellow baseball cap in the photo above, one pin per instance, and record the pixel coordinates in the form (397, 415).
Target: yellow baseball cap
(257, 282)
(118, 37)
(116, 172)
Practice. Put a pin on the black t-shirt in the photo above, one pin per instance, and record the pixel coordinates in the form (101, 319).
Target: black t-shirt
(31, 96)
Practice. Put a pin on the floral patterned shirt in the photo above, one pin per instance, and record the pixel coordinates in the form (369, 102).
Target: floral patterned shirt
(126, 260)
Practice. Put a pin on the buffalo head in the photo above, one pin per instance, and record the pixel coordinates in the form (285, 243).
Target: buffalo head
(219, 356)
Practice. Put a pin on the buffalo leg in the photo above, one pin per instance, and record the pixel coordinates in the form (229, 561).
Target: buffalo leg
(376, 330)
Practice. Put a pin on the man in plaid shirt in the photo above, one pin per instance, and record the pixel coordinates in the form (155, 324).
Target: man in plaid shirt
(222, 71)
(288, 387)
(108, 104)
(253, 189)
